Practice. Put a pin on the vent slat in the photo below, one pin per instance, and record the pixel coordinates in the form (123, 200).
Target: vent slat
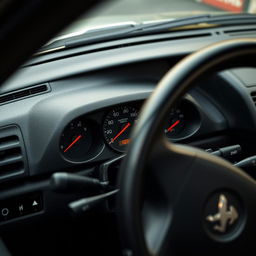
(9, 146)
(21, 94)
(8, 140)
(9, 153)
(38, 89)
(11, 170)
(10, 156)
(11, 160)
(6, 98)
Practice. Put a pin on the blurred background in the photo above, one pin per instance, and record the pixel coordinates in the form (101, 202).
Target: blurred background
(124, 7)
(116, 11)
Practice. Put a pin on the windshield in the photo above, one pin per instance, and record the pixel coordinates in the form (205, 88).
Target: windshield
(128, 11)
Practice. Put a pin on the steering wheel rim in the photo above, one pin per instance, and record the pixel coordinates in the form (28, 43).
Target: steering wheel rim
(149, 146)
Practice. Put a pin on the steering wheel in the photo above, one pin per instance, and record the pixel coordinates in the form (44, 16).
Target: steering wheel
(174, 198)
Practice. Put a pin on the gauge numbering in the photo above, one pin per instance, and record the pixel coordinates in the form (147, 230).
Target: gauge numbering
(117, 126)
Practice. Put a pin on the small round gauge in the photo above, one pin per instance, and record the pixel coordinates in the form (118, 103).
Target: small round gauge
(117, 126)
(175, 123)
(183, 121)
(77, 141)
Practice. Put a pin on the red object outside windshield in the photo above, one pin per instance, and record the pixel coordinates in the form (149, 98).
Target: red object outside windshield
(228, 5)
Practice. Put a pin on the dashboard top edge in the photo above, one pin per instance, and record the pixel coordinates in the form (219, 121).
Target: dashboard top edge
(89, 62)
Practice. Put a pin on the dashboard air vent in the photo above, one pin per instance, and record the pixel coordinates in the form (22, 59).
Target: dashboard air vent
(24, 93)
(253, 96)
(13, 161)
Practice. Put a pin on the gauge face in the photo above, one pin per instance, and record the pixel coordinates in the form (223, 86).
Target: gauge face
(76, 140)
(183, 121)
(117, 126)
(175, 123)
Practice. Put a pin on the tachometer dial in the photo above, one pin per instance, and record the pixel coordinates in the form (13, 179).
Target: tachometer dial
(78, 141)
(183, 121)
(175, 123)
(117, 126)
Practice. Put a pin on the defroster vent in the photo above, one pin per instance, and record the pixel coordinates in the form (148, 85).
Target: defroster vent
(24, 93)
(13, 162)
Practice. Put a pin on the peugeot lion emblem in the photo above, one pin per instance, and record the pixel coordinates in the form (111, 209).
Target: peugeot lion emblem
(226, 216)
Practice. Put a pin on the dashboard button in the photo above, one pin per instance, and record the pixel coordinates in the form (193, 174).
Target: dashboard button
(5, 212)
(36, 205)
(21, 208)
(33, 204)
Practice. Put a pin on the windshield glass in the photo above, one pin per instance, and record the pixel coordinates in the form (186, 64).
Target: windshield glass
(127, 11)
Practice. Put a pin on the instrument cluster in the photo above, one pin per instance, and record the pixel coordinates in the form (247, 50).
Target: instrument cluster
(86, 137)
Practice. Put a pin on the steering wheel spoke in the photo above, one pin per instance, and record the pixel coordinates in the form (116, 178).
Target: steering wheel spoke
(168, 171)
(169, 167)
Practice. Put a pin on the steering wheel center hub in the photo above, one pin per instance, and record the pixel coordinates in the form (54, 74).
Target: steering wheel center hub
(224, 216)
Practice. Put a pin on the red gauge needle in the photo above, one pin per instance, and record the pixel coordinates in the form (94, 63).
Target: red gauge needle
(173, 125)
(73, 142)
(122, 131)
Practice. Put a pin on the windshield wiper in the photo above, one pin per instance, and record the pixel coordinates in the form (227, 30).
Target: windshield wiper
(134, 29)
(90, 36)
(218, 20)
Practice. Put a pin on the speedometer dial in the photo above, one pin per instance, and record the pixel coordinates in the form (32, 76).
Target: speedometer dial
(117, 126)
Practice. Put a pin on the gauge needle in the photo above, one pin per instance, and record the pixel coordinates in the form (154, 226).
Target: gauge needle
(73, 142)
(122, 131)
(173, 125)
